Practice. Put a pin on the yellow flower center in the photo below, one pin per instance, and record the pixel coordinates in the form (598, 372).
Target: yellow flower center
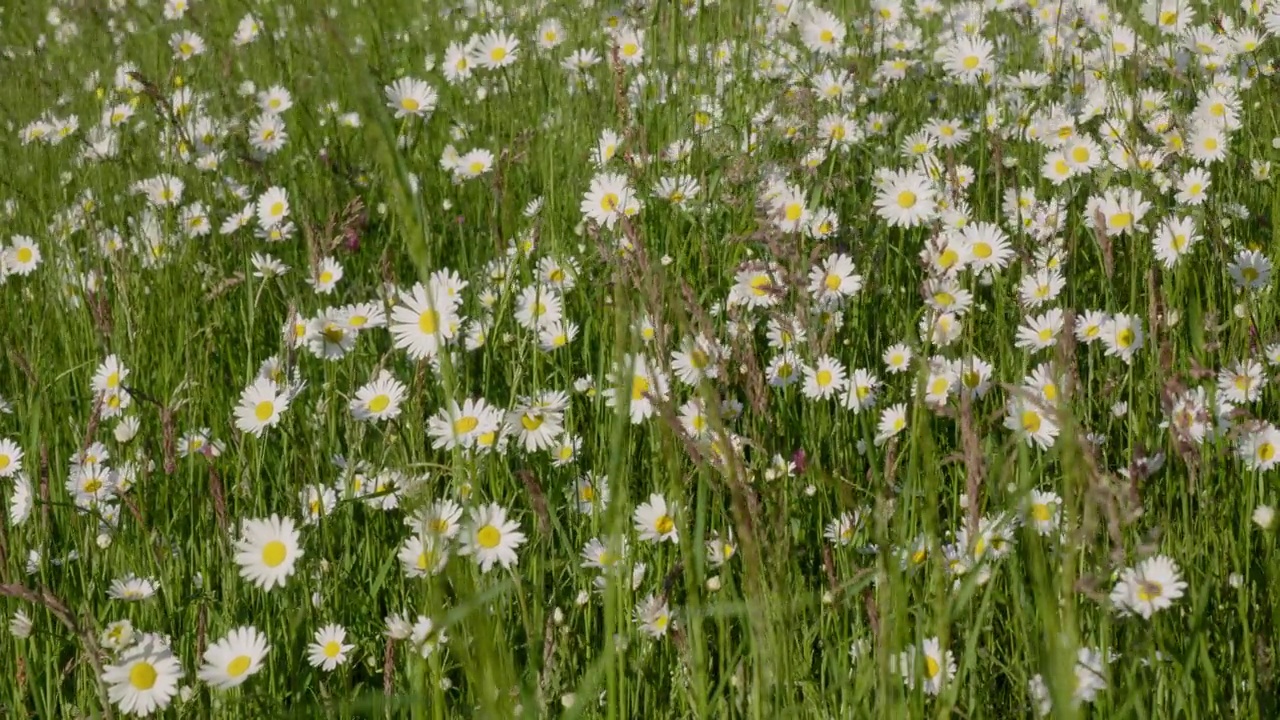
(931, 668)
(1125, 338)
(823, 378)
(1266, 451)
(427, 322)
(531, 422)
(609, 202)
(1120, 220)
(488, 537)
(274, 553)
(1041, 512)
(498, 54)
(464, 425)
(379, 403)
(906, 199)
(410, 105)
(142, 676)
(1030, 421)
(970, 62)
(264, 410)
(332, 649)
(238, 666)
(664, 525)
(639, 386)
(1149, 590)
(827, 36)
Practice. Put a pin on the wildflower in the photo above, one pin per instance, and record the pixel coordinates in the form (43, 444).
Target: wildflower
(234, 658)
(144, 679)
(328, 650)
(492, 538)
(267, 551)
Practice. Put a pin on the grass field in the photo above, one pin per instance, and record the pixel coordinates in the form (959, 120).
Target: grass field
(380, 358)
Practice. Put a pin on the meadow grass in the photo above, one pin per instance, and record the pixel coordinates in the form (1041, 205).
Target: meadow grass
(812, 559)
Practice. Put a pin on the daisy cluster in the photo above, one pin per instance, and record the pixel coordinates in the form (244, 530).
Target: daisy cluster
(566, 332)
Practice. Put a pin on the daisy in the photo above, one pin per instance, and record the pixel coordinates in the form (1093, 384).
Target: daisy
(697, 359)
(494, 50)
(380, 399)
(131, 588)
(442, 519)
(644, 383)
(463, 426)
(783, 369)
(328, 273)
(1260, 449)
(590, 492)
(841, 530)
(10, 458)
(275, 99)
(423, 555)
(550, 34)
(897, 358)
(272, 207)
(473, 164)
(423, 320)
(1043, 511)
(905, 199)
(267, 551)
(144, 678)
(537, 306)
(607, 199)
(1150, 587)
(825, 379)
(21, 501)
(630, 45)
(1031, 423)
(893, 420)
(1041, 331)
(457, 67)
(555, 335)
(1250, 269)
(328, 650)
(410, 97)
(1122, 336)
(860, 393)
(535, 426)
(260, 407)
(235, 658)
(22, 256)
(1174, 239)
(834, 279)
(491, 538)
(936, 666)
(267, 133)
(186, 45)
(653, 521)
(986, 246)
(822, 32)
(317, 501)
(1193, 187)
(968, 59)
(653, 616)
